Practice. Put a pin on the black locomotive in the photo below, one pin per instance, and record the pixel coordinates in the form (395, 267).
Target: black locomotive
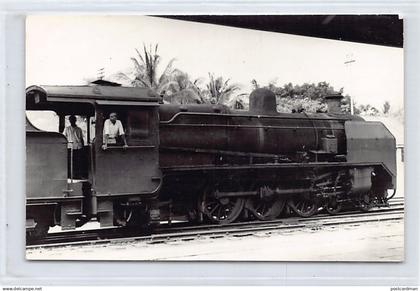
(202, 163)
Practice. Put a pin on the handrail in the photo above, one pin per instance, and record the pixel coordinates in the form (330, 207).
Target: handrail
(132, 147)
(253, 126)
(232, 115)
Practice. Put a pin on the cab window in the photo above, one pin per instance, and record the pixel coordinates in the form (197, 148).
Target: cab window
(43, 119)
(138, 125)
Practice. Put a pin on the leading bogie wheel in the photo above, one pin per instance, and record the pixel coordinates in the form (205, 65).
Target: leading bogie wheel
(365, 203)
(333, 207)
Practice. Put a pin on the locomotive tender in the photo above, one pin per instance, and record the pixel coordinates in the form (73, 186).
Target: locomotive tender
(204, 163)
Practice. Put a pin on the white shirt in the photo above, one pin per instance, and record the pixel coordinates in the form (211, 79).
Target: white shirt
(113, 130)
(74, 137)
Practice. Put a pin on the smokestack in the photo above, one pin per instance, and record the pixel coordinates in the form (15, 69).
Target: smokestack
(334, 103)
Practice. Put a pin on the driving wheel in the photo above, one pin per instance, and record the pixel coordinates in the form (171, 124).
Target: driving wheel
(266, 209)
(221, 210)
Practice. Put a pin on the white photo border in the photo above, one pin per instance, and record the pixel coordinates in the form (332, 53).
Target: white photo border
(15, 270)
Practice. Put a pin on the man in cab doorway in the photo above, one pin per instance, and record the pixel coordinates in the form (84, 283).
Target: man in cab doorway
(113, 131)
(74, 137)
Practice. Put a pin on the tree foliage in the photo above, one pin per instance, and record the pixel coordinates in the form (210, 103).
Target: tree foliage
(386, 107)
(367, 110)
(218, 90)
(176, 87)
(146, 66)
(309, 97)
(182, 90)
(172, 84)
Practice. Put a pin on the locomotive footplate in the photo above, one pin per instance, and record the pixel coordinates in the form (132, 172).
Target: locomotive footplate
(221, 168)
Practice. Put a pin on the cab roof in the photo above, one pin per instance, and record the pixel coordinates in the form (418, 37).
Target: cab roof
(70, 99)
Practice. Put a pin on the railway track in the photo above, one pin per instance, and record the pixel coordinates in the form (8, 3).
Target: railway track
(184, 231)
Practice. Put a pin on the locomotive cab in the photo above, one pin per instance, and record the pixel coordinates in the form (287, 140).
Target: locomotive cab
(125, 177)
(113, 179)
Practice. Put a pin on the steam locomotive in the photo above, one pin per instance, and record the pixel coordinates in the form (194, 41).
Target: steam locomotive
(201, 163)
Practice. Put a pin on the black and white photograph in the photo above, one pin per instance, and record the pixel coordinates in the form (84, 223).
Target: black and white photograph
(215, 138)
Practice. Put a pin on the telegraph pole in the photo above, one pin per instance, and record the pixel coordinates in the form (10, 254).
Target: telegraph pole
(101, 73)
(350, 60)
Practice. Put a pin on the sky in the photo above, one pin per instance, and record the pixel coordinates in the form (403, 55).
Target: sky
(68, 50)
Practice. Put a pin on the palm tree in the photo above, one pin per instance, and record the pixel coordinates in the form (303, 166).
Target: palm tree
(182, 90)
(173, 85)
(239, 102)
(146, 67)
(218, 90)
(145, 71)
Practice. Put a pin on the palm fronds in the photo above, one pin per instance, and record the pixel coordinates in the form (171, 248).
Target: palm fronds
(146, 66)
(174, 85)
(220, 90)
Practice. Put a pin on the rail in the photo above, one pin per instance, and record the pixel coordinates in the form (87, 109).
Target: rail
(118, 234)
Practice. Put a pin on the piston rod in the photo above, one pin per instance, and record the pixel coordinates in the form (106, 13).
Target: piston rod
(277, 191)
